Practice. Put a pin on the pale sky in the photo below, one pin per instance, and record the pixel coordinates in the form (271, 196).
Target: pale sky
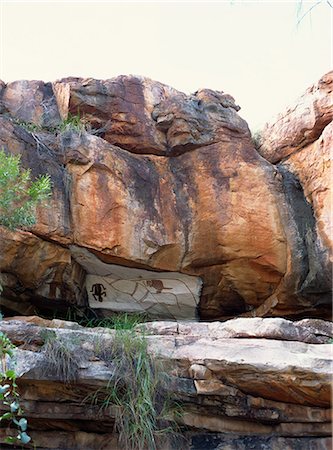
(252, 50)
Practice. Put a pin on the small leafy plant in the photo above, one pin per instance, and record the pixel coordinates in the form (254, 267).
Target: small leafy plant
(19, 195)
(9, 396)
(73, 122)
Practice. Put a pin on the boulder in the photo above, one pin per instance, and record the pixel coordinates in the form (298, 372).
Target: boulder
(31, 102)
(35, 268)
(301, 124)
(119, 109)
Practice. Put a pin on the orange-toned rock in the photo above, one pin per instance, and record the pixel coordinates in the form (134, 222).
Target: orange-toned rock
(207, 117)
(301, 141)
(144, 116)
(236, 243)
(41, 154)
(313, 168)
(35, 268)
(31, 101)
(182, 191)
(301, 124)
(119, 109)
(30, 248)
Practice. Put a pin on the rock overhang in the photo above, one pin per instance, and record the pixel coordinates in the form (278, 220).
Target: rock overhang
(116, 288)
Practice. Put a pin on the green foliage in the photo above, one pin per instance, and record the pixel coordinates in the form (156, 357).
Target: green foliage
(121, 321)
(9, 396)
(137, 388)
(60, 358)
(72, 123)
(257, 139)
(19, 195)
(30, 127)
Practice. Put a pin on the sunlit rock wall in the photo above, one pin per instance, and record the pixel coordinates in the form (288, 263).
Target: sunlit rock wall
(165, 182)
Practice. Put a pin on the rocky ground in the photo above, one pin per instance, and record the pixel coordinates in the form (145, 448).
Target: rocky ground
(266, 380)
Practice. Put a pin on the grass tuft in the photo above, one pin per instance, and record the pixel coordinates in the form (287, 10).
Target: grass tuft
(138, 389)
(72, 123)
(30, 127)
(120, 321)
(61, 359)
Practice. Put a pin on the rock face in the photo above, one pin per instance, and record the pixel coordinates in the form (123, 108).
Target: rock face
(241, 382)
(301, 124)
(169, 183)
(124, 289)
(300, 144)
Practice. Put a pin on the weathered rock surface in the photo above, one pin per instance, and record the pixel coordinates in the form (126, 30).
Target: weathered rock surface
(253, 380)
(145, 117)
(167, 182)
(312, 168)
(300, 141)
(123, 289)
(31, 101)
(301, 124)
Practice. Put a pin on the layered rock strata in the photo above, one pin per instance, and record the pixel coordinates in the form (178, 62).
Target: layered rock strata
(245, 383)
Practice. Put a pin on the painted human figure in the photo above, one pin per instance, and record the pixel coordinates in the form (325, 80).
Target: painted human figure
(98, 291)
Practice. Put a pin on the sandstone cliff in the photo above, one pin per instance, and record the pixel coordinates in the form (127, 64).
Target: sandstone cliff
(163, 204)
(166, 205)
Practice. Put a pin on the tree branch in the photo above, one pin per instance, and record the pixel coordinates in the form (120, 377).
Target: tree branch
(310, 9)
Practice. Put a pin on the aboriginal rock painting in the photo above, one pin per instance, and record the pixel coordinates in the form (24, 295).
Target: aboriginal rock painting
(171, 295)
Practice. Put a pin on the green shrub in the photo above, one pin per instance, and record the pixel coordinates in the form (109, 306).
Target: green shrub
(19, 195)
(73, 122)
(9, 396)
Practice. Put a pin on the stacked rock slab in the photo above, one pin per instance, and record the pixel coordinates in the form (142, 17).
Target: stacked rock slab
(245, 383)
(171, 184)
